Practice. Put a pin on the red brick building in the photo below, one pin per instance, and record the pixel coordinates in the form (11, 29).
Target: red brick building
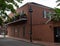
(40, 30)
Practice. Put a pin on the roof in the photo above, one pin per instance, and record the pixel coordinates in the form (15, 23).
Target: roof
(40, 5)
(22, 19)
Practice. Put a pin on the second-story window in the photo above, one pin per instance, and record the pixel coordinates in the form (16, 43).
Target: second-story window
(48, 15)
(23, 14)
(44, 13)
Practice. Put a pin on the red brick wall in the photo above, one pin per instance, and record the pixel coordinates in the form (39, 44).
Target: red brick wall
(37, 14)
(43, 33)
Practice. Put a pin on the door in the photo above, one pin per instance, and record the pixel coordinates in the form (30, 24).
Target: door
(57, 34)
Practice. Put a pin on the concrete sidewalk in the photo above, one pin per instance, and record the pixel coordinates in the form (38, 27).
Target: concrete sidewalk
(38, 42)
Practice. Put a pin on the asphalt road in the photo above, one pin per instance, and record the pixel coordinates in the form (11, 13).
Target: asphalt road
(12, 42)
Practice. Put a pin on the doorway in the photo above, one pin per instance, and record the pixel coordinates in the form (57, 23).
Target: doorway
(56, 34)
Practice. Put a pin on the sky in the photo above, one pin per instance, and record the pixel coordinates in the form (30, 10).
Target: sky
(49, 3)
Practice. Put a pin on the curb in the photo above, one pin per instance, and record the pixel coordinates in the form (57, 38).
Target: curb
(24, 40)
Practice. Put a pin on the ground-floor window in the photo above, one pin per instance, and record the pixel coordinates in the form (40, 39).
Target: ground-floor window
(18, 30)
(23, 30)
(13, 31)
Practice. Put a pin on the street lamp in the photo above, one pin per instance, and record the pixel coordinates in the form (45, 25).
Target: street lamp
(30, 11)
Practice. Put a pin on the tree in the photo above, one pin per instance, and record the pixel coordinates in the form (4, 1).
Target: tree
(7, 5)
(56, 16)
(58, 3)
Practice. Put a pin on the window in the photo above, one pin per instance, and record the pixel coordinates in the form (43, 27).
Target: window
(18, 30)
(22, 14)
(44, 13)
(23, 30)
(47, 14)
(13, 31)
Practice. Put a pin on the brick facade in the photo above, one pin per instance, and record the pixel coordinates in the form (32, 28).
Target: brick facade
(40, 30)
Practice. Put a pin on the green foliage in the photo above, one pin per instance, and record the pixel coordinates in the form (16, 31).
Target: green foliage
(58, 3)
(1, 21)
(56, 16)
(11, 8)
(57, 10)
(7, 5)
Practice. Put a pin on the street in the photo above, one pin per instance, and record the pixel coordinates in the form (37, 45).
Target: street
(12, 42)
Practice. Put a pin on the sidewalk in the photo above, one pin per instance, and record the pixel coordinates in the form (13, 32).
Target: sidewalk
(38, 42)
